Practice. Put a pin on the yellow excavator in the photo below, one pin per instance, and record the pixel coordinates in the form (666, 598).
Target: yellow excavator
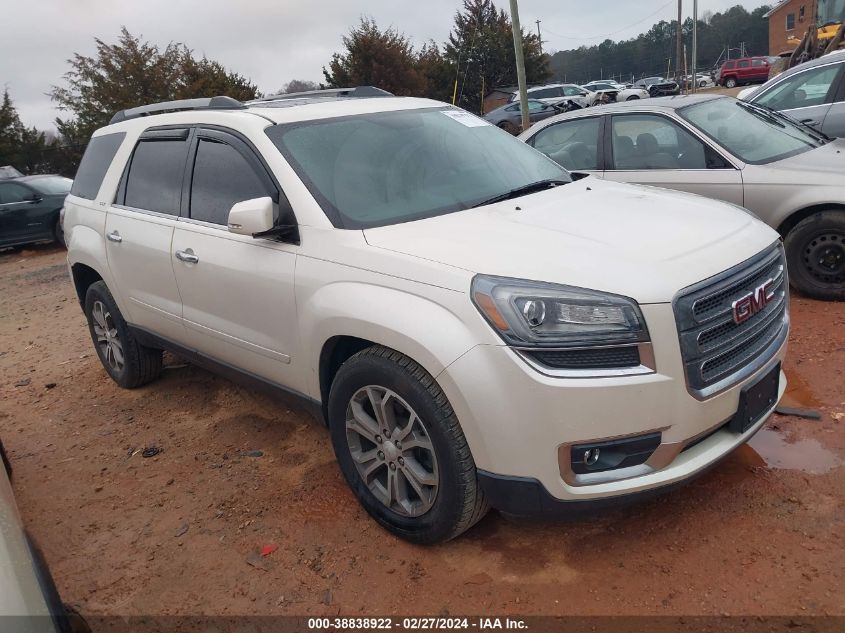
(828, 36)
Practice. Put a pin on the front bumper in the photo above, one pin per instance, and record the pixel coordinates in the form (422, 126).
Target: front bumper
(520, 423)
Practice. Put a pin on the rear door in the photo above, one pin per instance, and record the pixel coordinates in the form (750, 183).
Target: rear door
(806, 96)
(237, 291)
(834, 122)
(574, 144)
(654, 149)
(139, 231)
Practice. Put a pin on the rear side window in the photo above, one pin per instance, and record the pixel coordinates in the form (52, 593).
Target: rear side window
(155, 175)
(222, 177)
(95, 163)
(744, 64)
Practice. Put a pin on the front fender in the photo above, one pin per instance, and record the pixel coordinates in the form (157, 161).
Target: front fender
(432, 329)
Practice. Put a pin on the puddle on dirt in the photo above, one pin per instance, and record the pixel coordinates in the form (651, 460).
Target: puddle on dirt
(798, 393)
(806, 455)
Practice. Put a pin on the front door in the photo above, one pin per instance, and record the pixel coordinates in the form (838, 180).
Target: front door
(237, 291)
(652, 149)
(139, 233)
(22, 213)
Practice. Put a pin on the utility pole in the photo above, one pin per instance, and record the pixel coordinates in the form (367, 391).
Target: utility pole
(539, 37)
(678, 51)
(694, 57)
(520, 64)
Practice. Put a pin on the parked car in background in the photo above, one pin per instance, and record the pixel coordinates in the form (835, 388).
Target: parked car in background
(788, 175)
(30, 208)
(616, 91)
(29, 602)
(509, 116)
(557, 93)
(658, 86)
(811, 93)
(7, 171)
(476, 327)
(702, 80)
(745, 70)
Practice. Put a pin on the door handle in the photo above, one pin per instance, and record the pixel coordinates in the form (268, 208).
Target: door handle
(187, 256)
(114, 236)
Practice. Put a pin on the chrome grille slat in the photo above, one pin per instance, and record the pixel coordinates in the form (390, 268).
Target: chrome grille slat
(717, 352)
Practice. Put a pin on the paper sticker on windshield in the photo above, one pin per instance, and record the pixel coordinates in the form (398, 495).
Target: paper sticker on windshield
(465, 118)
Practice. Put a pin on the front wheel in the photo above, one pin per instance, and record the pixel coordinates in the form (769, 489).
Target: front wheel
(129, 363)
(632, 98)
(401, 449)
(730, 82)
(815, 253)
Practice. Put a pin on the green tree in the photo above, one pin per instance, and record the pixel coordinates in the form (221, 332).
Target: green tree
(480, 52)
(11, 130)
(374, 57)
(133, 72)
(298, 85)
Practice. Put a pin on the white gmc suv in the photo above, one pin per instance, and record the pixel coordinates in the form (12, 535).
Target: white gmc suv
(476, 326)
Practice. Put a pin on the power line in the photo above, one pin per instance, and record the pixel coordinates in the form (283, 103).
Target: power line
(592, 37)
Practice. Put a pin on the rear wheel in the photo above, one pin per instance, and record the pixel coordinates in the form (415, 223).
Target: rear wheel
(815, 251)
(632, 98)
(129, 363)
(401, 448)
(509, 127)
(730, 82)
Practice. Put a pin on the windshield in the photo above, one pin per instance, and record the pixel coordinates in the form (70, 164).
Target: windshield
(51, 185)
(389, 167)
(750, 132)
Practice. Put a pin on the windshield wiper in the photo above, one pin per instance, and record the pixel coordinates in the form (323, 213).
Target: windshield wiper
(760, 113)
(817, 134)
(524, 190)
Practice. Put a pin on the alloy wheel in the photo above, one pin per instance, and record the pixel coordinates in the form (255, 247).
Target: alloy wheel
(392, 450)
(108, 339)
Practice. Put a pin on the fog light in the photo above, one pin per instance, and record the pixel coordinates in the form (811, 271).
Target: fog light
(591, 456)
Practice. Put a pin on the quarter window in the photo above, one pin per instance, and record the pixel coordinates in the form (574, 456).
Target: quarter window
(801, 90)
(222, 177)
(572, 144)
(646, 141)
(95, 163)
(155, 175)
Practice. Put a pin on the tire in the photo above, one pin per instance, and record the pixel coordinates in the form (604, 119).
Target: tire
(815, 255)
(730, 82)
(509, 127)
(455, 502)
(140, 364)
(632, 98)
(702, 84)
(59, 234)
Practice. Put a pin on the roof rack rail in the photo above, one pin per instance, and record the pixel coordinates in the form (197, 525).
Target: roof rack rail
(205, 103)
(330, 93)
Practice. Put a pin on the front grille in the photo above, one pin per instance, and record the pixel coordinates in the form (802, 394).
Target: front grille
(596, 358)
(718, 352)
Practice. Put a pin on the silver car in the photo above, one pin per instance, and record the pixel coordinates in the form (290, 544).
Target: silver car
(812, 92)
(792, 177)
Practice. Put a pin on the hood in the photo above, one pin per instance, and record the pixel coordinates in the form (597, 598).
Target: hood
(642, 242)
(816, 166)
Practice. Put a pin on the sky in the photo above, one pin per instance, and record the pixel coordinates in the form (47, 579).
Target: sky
(274, 41)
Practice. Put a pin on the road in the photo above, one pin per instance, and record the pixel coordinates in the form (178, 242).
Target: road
(179, 532)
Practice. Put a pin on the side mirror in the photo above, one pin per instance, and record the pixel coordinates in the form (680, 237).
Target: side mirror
(251, 217)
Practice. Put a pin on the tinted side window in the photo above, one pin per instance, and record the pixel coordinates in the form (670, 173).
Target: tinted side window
(95, 163)
(11, 192)
(572, 144)
(744, 64)
(222, 177)
(155, 175)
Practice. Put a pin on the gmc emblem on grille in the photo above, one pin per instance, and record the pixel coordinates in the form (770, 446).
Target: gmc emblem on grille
(750, 304)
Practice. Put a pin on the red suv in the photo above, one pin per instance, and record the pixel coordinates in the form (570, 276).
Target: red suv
(745, 70)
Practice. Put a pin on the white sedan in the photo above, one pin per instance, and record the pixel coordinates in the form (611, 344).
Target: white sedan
(615, 91)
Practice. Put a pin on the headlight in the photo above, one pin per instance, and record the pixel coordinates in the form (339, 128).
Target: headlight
(530, 314)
